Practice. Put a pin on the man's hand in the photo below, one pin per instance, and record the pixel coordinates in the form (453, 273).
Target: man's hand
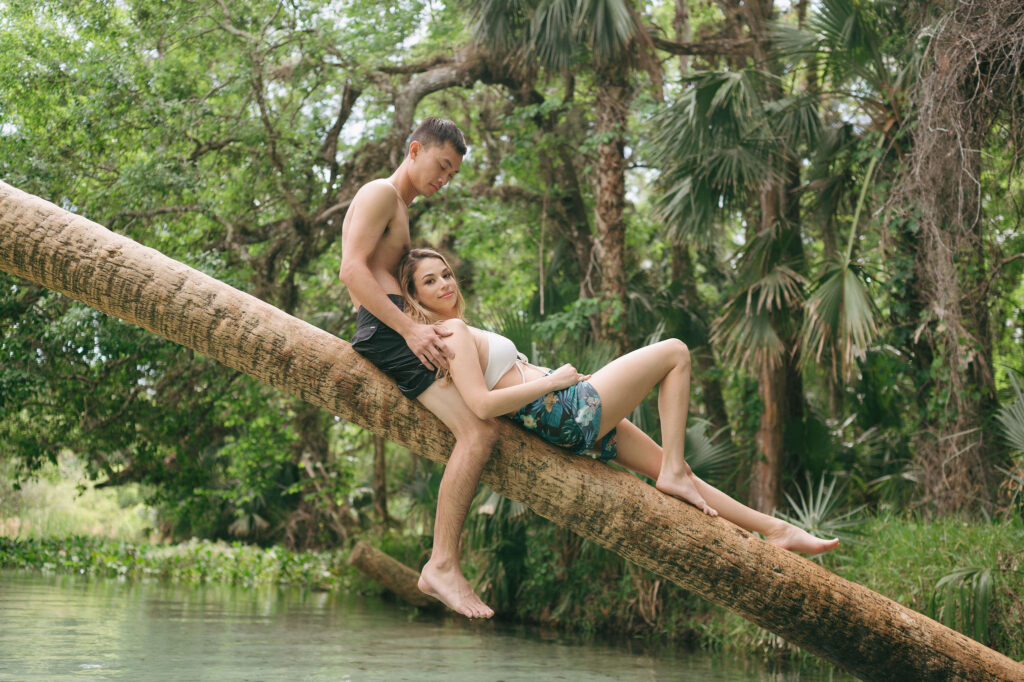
(427, 343)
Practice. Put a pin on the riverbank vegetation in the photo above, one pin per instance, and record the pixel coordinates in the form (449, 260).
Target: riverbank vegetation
(823, 200)
(933, 567)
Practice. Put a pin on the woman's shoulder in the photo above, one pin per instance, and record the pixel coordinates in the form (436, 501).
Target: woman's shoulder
(456, 324)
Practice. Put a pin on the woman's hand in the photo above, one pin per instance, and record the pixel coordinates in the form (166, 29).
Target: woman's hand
(566, 376)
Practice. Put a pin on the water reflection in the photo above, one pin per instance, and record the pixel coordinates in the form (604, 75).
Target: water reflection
(62, 627)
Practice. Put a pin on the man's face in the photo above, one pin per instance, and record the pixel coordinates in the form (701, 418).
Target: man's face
(433, 166)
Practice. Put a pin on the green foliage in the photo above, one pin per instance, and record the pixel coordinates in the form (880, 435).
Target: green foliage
(948, 558)
(196, 561)
(962, 600)
(556, 32)
(1011, 417)
(712, 458)
(61, 501)
(822, 511)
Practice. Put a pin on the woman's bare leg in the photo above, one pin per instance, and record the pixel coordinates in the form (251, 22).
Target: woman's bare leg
(626, 381)
(638, 452)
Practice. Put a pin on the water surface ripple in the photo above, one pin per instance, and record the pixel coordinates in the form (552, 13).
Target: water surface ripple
(68, 627)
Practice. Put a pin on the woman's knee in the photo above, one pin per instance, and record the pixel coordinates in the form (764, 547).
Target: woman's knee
(679, 351)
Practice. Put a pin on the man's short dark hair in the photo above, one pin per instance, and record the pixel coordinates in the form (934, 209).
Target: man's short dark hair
(435, 130)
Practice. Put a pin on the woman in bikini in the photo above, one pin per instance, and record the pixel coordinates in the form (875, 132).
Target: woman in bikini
(581, 412)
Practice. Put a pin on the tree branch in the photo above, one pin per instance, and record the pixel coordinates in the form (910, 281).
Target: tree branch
(995, 273)
(705, 48)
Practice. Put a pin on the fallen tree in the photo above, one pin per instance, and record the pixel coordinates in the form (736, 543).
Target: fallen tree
(390, 573)
(855, 628)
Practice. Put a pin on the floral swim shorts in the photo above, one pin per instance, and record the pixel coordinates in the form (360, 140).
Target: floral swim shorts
(569, 418)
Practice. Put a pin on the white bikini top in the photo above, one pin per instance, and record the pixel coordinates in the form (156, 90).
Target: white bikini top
(501, 356)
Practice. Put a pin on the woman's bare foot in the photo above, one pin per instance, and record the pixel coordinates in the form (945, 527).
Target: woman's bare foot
(450, 587)
(788, 536)
(684, 487)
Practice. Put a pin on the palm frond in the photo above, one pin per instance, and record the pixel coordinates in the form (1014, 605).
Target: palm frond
(606, 26)
(516, 326)
(820, 511)
(1011, 418)
(792, 43)
(498, 23)
(778, 289)
(710, 460)
(796, 119)
(840, 319)
(850, 40)
(752, 327)
(714, 145)
(552, 33)
(961, 600)
(748, 340)
(730, 170)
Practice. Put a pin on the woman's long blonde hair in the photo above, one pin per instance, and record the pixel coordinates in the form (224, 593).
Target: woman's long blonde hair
(413, 308)
(407, 280)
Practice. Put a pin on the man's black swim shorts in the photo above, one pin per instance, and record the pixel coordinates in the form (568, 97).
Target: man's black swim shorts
(385, 348)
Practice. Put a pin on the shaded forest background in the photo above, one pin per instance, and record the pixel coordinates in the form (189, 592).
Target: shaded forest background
(821, 199)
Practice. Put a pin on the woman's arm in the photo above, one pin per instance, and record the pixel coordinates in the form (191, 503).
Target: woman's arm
(468, 376)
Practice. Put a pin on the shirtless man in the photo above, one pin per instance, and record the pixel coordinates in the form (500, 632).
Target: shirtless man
(375, 236)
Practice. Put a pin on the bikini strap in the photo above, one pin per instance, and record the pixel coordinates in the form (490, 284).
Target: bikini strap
(521, 358)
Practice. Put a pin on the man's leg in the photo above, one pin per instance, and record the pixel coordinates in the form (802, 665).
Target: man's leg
(442, 577)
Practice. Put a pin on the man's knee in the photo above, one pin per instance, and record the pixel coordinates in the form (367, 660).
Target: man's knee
(478, 434)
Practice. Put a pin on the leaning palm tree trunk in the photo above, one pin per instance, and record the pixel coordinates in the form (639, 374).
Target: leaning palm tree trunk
(853, 627)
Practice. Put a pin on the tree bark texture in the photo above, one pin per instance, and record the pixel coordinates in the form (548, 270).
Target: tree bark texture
(390, 573)
(766, 486)
(855, 628)
(611, 110)
(969, 87)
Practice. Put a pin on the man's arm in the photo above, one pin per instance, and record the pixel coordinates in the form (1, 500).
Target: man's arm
(374, 207)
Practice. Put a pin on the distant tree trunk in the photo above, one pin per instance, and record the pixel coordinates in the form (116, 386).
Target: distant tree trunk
(970, 83)
(380, 481)
(681, 26)
(780, 385)
(766, 487)
(859, 630)
(614, 95)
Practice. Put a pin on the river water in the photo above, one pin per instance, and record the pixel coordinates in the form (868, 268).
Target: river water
(68, 627)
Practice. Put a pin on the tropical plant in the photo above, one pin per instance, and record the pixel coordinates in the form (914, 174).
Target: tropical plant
(711, 457)
(497, 532)
(962, 600)
(603, 38)
(821, 511)
(1011, 419)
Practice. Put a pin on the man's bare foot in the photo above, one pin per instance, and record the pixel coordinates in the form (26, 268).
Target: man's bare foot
(451, 588)
(684, 487)
(788, 536)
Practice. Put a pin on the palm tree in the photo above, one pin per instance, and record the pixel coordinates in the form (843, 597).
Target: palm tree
(604, 37)
(736, 139)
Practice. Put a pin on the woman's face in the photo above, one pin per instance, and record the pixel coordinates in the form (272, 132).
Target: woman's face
(436, 289)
